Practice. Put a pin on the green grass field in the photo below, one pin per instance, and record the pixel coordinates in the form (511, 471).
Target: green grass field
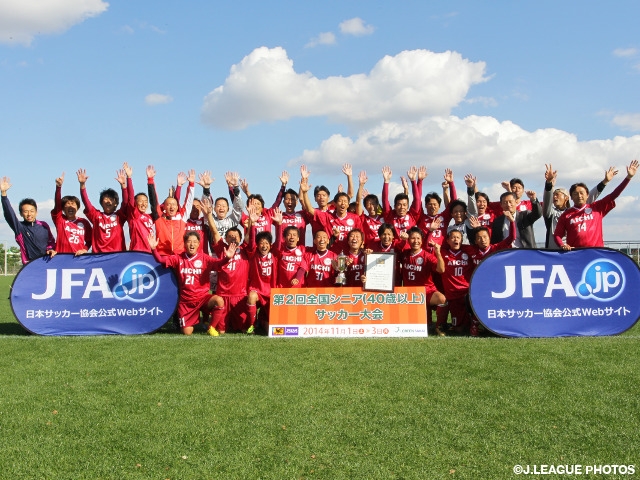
(167, 406)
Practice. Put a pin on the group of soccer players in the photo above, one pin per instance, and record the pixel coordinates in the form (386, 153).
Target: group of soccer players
(228, 255)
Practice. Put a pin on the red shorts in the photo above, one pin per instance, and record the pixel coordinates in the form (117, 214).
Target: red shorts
(234, 312)
(189, 312)
(458, 312)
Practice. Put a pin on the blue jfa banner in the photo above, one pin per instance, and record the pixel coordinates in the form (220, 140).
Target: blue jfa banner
(545, 293)
(113, 293)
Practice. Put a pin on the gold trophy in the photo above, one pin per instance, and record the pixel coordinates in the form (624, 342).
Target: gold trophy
(341, 267)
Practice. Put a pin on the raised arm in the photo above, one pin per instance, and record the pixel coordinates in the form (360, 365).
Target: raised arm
(347, 169)
(151, 191)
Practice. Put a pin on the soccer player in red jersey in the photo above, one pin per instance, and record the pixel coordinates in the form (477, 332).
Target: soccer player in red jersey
(371, 216)
(438, 231)
(418, 265)
(455, 281)
(582, 223)
(401, 216)
(291, 261)
(319, 261)
(478, 206)
(339, 222)
(107, 234)
(262, 275)
(140, 222)
(355, 259)
(73, 233)
(192, 269)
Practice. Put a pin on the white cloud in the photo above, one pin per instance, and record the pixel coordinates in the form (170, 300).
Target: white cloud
(625, 52)
(484, 101)
(21, 20)
(356, 26)
(629, 121)
(408, 86)
(157, 99)
(324, 38)
(490, 149)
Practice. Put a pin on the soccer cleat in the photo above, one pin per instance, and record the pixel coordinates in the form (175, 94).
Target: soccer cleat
(213, 332)
(250, 330)
(440, 331)
(473, 330)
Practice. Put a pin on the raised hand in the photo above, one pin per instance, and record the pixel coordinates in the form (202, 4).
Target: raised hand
(470, 180)
(412, 173)
(60, 180)
(181, 179)
(609, 174)
(276, 216)
(153, 241)
(632, 168)
(422, 172)
(347, 169)
(362, 177)
(448, 175)
(127, 169)
(284, 177)
(5, 184)
(531, 194)
(151, 171)
(304, 172)
(192, 176)
(82, 176)
(550, 174)
(204, 179)
(386, 174)
(121, 177)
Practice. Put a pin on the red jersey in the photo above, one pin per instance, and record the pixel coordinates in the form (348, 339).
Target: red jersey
(344, 225)
(296, 219)
(202, 228)
(290, 260)
(438, 235)
(234, 275)
(370, 226)
(417, 269)
(458, 266)
(583, 226)
(192, 272)
(320, 268)
(71, 235)
(107, 234)
(262, 272)
(355, 270)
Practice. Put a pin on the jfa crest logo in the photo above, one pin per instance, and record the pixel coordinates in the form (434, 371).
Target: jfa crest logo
(139, 282)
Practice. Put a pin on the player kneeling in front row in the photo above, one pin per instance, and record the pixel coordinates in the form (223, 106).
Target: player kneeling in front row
(192, 269)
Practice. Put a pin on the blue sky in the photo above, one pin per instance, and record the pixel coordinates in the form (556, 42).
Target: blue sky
(497, 89)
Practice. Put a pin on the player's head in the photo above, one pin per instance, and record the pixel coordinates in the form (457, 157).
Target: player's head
(432, 202)
(290, 200)
(291, 236)
(561, 198)
(355, 239)
(70, 206)
(482, 202)
(579, 193)
(142, 202)
(386, 233)
(195, 209)
(191, 242)
(341, 201)
(233, 235)
(508, 202)
(454, 239)
(517, 187)
(371, 204)
(263, 242)
(483, 237)
(353, 207)
(321, 195)
(401, 204)
(170, 206)
(321, 240)
(221, 207)
(28, 209)
(256, 201)
(415, 238)
(109, 200)
(458, 211)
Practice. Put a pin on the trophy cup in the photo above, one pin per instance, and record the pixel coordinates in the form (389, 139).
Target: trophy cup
(341, 267)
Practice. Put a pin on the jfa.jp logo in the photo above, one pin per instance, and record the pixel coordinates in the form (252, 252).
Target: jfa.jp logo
(602, 280)
(138, 282)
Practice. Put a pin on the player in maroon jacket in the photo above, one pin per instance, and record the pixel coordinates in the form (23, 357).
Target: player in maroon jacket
(192, 269)
(73, 233)
(107, 235)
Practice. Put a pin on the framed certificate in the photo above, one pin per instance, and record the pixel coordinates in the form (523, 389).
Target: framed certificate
(380, 270)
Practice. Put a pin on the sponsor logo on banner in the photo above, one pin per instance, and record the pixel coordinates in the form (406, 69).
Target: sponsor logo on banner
(546, 293)
(114, 293)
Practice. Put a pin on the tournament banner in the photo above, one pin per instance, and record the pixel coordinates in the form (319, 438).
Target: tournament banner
(95, 294)
(547, 293)
(347, 312)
